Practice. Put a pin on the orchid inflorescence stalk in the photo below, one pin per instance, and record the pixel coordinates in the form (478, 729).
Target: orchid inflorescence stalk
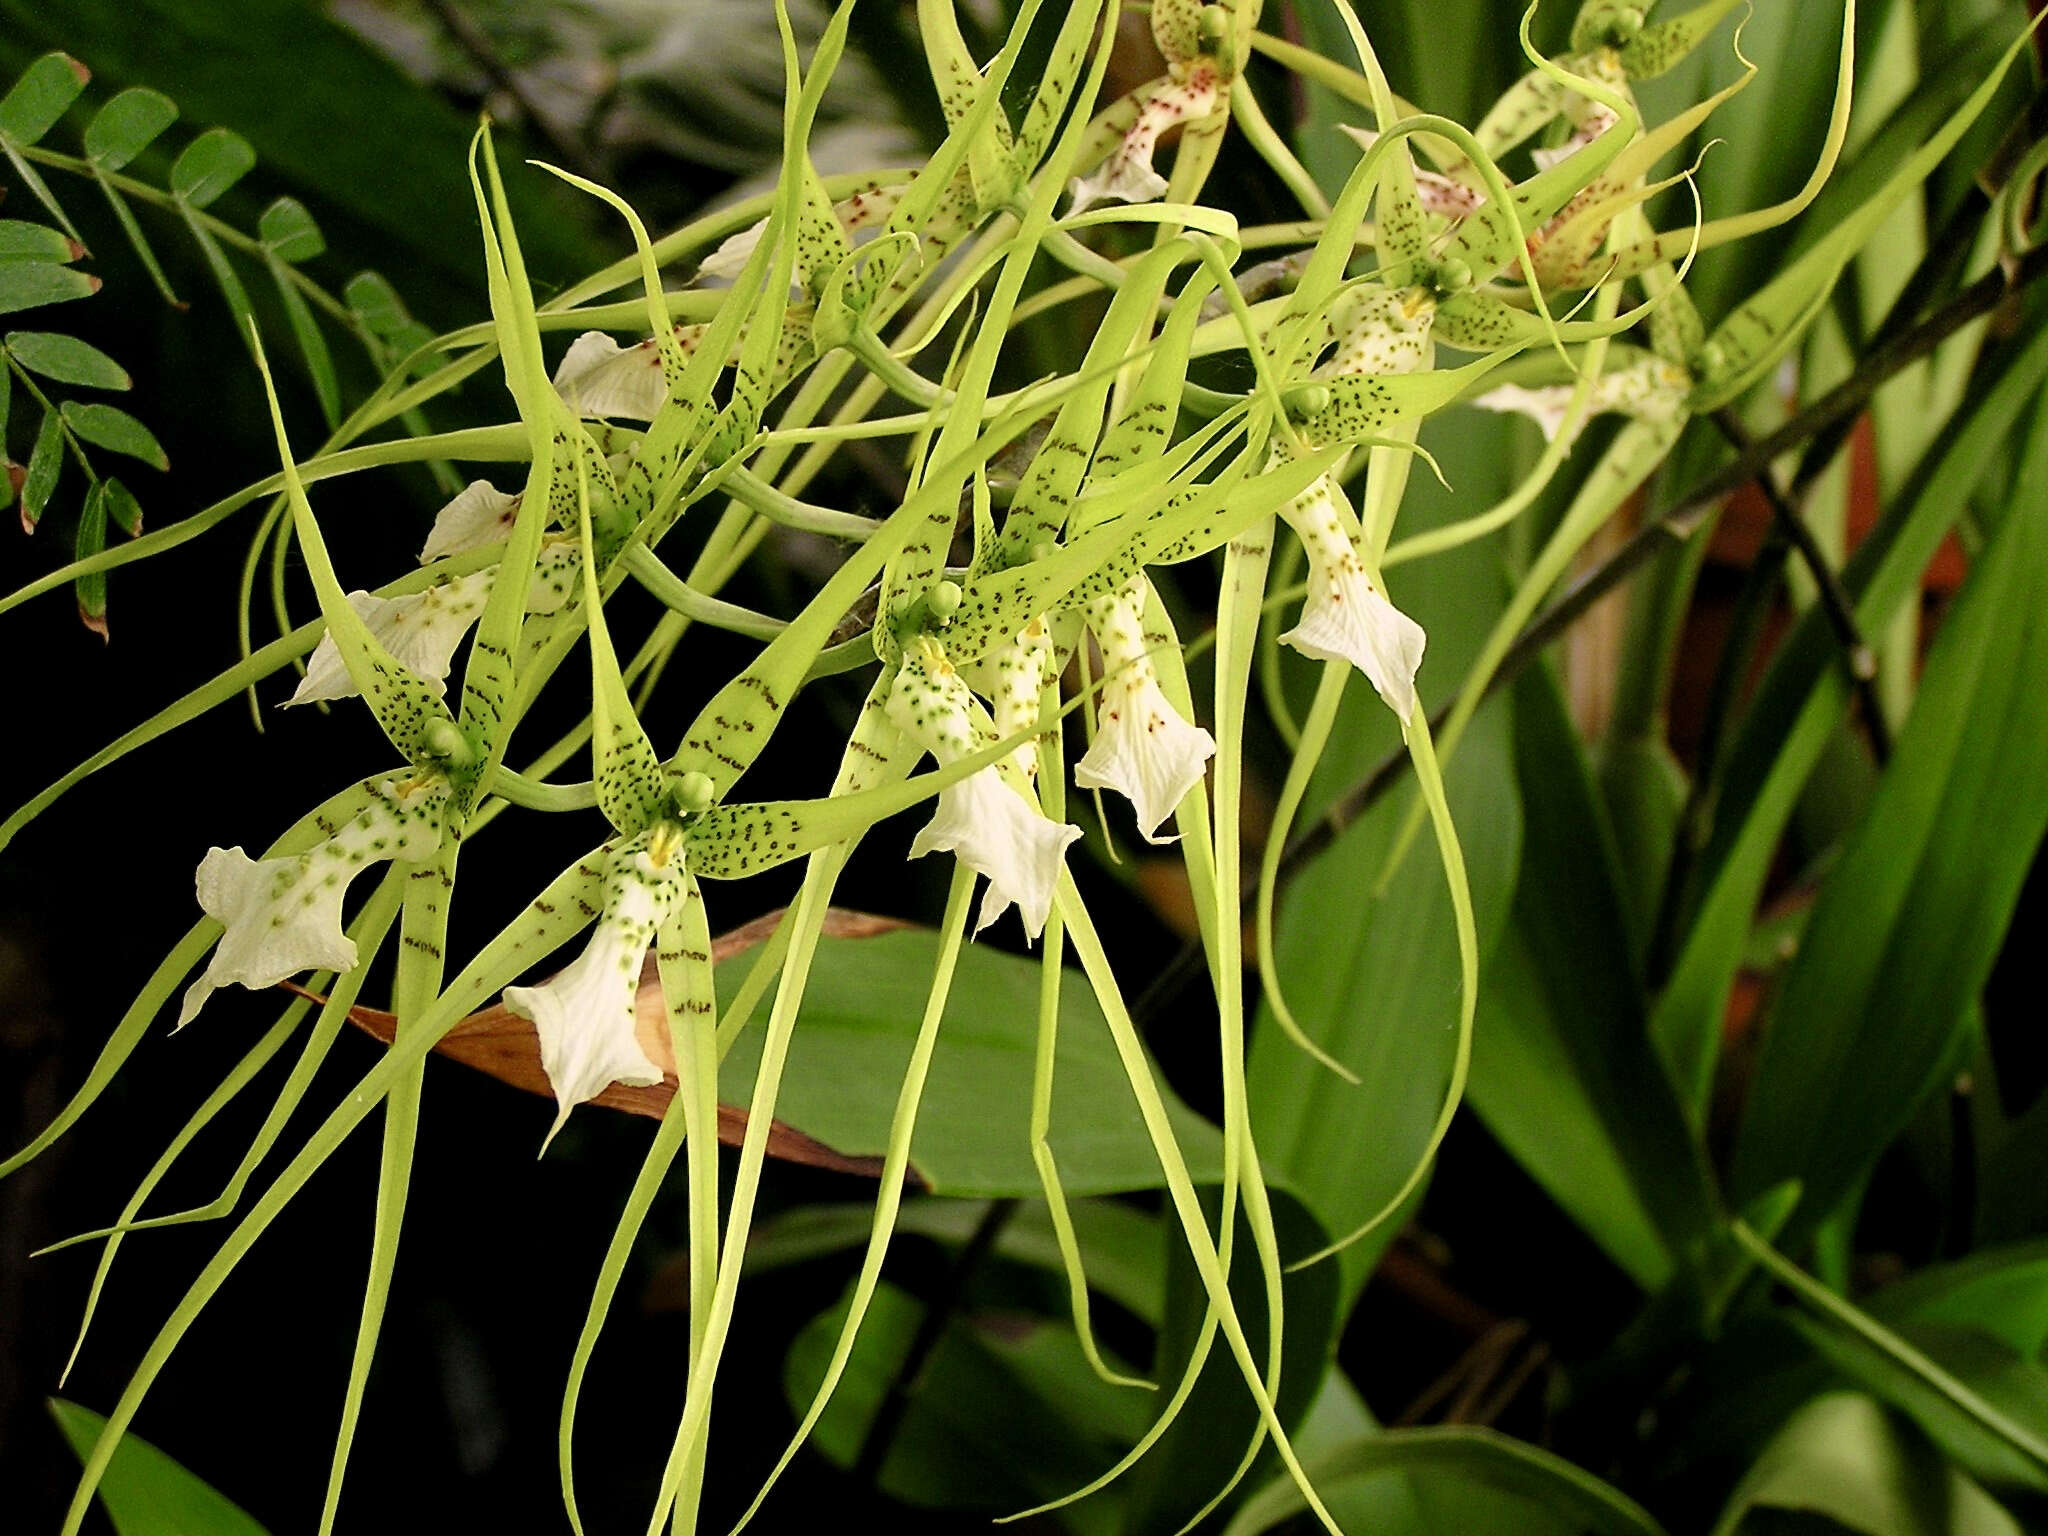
(766, 339)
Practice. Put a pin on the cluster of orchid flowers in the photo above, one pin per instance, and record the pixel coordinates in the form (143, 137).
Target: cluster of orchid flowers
(625, 438)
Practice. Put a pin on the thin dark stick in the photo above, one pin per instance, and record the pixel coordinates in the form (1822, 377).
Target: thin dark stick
(939, 1310)
(474, 41)
(1834, 598)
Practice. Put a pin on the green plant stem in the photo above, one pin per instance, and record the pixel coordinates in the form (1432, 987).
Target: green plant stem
(220, 229)
(1825, 1304)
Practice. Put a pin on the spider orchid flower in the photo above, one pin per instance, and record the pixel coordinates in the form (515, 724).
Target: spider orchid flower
(1347, 616)
(1143, 749)
(584, 1015)
(422, 629)
(1192, 91)
(992, 828)
(283, 915)
(1651, 390)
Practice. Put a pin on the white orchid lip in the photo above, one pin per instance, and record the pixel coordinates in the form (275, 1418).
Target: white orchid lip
(1143, 749)
(600, 377)
(1346, 616)
(479, 516)
(993, 828)
(584, 1014)
(283, 916)
(420, 629)
(995, 831)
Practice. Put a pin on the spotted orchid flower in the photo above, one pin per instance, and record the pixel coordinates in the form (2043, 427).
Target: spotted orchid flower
(283, 915)
(584, 1014)
(1438, 193)
(1143, 749)
(1651, 390)
(991, 827)
(1346, 615)
(422, 629)
(866, 209)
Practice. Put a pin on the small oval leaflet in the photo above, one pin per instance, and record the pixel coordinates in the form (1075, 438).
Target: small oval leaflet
(67, 360)
(23, 241)
(211, 164)
(128, 125)
(289, 231)
(108, 427)
(44, 92)
(32, 284)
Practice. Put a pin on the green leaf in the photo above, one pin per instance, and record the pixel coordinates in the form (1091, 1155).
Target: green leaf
(1908, 922)
(326, 110)
(29, 284)
(1803, 699)
(211, 164)
(109, 427)
(2000, 1291)
(67, 360)
(1563, 1071)
(290, 232)
(2016, 1388)
(312, 343)
(1476, 1482)
(128, 125)
(23, 241)
(855, 1034)
(147, 1493)
(40, 96)
(993, 1383)
(1844, 1457)
(1378, 991)
(1123, 1249)
(1188, 1466)
(123, 510)
(43, 463)
(383, 313)
(91, 589)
